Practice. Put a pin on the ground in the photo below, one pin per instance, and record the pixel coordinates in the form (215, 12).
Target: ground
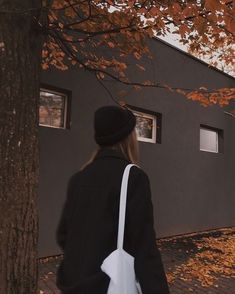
(195, 263)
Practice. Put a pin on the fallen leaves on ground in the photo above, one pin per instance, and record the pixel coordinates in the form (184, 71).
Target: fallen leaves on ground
(215, 256)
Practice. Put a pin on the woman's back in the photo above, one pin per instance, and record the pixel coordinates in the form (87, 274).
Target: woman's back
(91, 219)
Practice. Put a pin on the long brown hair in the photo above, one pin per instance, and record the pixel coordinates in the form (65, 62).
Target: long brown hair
(129, 146)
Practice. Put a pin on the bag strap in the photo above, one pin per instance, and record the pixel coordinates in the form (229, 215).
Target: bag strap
(122, 205)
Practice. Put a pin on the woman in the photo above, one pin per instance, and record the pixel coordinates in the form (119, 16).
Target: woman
(87, 232)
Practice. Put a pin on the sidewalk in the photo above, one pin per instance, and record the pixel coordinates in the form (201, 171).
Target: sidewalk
(195, 263)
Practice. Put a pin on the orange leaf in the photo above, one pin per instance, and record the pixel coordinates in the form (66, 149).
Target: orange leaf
(137, 55)
(176, 8)
(154, 11)
(140, 66)
(111, 45)
(213, 5)
(230, 24)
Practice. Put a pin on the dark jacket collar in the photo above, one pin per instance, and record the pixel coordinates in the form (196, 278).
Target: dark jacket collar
(109, 152)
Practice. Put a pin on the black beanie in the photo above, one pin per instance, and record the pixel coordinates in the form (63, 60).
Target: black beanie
(112, 124)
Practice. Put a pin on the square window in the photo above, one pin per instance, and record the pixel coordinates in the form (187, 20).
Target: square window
(148, 125)
(210, 139)
(54, 107)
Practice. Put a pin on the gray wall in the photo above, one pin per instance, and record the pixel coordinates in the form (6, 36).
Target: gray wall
(191, 190)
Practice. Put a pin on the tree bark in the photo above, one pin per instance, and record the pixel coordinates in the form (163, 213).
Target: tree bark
(20, 58)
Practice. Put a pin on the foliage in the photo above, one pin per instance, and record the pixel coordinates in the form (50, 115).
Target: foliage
(99, 36)
(214, 258)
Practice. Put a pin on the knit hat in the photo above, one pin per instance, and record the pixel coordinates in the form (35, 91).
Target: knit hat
(112, 124)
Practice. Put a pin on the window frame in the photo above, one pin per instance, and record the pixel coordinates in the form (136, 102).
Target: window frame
(157, 123)
(67, 107)
(219, 138)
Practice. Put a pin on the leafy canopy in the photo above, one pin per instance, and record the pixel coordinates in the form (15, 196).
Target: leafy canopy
(99, 36)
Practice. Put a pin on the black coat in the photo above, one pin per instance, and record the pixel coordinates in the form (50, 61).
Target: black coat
(87, 231)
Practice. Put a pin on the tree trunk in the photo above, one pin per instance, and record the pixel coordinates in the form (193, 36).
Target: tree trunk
(20, 58)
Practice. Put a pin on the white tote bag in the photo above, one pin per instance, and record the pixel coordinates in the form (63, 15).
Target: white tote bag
(119, 265)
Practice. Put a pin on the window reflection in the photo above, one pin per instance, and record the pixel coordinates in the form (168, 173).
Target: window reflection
(52, 109)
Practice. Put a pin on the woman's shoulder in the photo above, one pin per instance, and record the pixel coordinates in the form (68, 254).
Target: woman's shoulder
(138, 173)
(80, 175)
(139, 186)
(74, 178)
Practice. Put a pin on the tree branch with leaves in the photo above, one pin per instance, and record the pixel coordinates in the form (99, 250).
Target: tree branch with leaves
(79, 31)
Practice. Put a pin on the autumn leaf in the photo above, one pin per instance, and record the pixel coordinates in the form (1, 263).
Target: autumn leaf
(137, 55)
(213, 5)
(140, 67)
(122, 103)
(111, 44)
(154, 11)
(184, 29)
(100, 75)
(230, 24)
(176, 8)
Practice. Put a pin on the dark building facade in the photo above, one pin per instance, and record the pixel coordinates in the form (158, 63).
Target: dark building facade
(192, 190)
